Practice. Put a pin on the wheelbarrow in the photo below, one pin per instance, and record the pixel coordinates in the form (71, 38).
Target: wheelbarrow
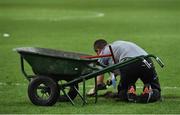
(56, 74)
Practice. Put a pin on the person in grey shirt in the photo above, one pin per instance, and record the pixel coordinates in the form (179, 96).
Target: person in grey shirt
(124, 50)
(121, 50)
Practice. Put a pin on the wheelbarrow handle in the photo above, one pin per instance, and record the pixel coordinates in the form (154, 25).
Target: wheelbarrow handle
(159, 61)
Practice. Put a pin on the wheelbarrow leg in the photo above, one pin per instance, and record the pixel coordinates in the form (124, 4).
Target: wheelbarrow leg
(84, 92)
(67, 96)
(95, 88)
(23, 69)
(84, 101)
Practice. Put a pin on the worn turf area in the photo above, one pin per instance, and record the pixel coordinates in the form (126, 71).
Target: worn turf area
(73, 25)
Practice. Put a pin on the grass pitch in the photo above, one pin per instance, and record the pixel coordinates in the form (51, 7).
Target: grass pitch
(73, 25)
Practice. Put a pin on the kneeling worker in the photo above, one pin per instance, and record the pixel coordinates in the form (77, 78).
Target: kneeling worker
(124, 50)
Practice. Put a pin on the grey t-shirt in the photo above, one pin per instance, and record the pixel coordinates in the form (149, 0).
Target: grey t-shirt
(121, 50)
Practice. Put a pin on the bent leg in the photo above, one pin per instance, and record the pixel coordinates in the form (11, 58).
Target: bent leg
(129, 76)
(154, 96)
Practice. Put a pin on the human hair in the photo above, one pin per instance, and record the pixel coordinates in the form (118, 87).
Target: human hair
(99, 44)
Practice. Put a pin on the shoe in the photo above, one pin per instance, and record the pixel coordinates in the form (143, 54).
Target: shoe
(147, 89)
(101, 86)
(147, 94)
(131, 94)
(91, 92)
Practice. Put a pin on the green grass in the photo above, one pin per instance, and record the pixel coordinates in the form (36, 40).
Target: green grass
(73, 25)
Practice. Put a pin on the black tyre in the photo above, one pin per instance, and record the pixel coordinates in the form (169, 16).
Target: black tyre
(70, 90)
(43, 91)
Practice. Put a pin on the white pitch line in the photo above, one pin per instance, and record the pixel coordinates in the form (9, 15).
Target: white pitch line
(100, 14)
(88, 86)
(55, 19)
(11, 84)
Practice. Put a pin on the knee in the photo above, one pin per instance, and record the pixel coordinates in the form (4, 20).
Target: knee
(154, 96)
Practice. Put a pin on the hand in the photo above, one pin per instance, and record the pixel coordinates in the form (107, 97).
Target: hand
(109, 82)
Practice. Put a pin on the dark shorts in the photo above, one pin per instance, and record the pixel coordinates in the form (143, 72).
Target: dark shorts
(138, 70)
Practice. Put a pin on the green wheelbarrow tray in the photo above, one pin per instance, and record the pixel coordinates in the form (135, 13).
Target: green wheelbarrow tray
(50, 66)
(55, 63)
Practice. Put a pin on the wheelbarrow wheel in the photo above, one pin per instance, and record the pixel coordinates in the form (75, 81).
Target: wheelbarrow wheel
(43, 91)
(70, 91)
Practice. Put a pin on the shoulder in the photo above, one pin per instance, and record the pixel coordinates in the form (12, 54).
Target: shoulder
(105, 50)
(118, 42)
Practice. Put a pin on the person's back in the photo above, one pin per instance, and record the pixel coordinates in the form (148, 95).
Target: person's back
(124, 49)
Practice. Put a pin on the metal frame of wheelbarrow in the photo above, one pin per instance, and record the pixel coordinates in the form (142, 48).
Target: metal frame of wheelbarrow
(105, 70)
(94, 74)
